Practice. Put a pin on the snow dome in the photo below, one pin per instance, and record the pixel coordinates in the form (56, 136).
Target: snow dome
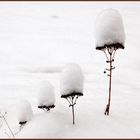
(24, 111)
(46, 95)
(109, 30)
(72, 80)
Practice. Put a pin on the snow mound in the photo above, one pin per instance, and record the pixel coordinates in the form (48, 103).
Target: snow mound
(24, 111)
(109, 28)
(46, 95)
(72, 80)
(50, 125)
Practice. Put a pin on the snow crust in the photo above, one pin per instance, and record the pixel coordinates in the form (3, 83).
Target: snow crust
(72, 79)
(46, 95)
(109, 28)
(24, 110)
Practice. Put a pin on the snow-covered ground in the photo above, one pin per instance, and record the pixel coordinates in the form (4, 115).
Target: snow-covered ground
(37, 39)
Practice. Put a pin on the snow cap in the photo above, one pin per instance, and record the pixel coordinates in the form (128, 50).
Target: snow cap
(109, 28)
(72, 80)
(46, 95)
(24, 111)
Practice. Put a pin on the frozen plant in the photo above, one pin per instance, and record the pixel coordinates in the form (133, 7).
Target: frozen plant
(71, 84)
(46, 96)
(109, 36)
(109, 29)
(24, 112)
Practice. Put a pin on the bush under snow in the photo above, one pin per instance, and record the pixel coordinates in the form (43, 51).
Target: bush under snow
(72, 80)
(46, 95)
(24, 111)
(109, 28)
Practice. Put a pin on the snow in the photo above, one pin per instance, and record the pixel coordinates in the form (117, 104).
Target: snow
(35, 46)
(24, 111)
(109, 28)
(46, 95)
(72, 79)
(38, 128)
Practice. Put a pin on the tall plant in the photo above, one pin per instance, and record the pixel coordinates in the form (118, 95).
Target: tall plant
(72, 85)
(109, 38)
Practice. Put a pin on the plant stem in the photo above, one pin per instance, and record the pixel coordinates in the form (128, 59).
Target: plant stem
(110, 81)
(7, 124)
(73, 112)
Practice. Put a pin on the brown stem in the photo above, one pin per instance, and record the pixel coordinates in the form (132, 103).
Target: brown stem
(110, 80)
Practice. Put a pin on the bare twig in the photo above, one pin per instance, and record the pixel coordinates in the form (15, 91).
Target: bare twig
(3, 116)
(68, 101)
(106, 55)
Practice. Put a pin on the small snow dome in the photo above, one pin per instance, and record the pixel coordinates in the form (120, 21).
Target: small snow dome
(72, 80)
(109, 30)
(46, 96)
(24, 111)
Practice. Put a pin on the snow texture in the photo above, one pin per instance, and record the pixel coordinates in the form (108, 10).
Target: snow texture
(109, 28)
(24, 111)
(46, 95)
(34, 47)
(72, 79)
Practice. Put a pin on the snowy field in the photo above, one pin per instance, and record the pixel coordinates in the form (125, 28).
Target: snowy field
(37, 39)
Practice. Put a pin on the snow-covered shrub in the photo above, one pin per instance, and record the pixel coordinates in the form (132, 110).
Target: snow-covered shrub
(71, 84)
(109, 29)
(72, 80)
(46, 96)
(24, 111)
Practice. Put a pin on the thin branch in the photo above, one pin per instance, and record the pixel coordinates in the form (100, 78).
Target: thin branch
(7, 124)
(114, 54)
(68, 101)
(76, 97)
(106, 55)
